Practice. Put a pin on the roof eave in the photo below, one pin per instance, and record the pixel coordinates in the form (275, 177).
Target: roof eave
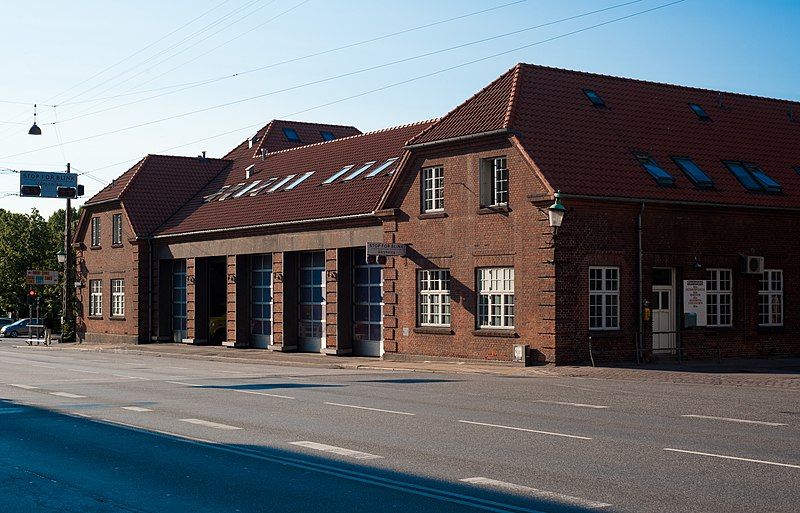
(459, 139)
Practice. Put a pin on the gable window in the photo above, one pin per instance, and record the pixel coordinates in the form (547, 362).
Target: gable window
(595, 98)
(604, 298)
(95, 236)
(433, 297)
(118, 298)
(719, 297)
(656, 171)
(752, 177)
(496, 297)
(433, 189)
(701, 113)
(494, 182)
(116, 229)
(95, 298)
(291, 134)
(697, 176)
(327, 136)
(770, 298)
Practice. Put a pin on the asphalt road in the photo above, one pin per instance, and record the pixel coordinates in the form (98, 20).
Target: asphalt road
(87, 431)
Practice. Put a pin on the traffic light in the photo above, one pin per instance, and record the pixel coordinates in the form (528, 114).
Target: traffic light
(30, 190)
(32, 293)
(66, 192)
(376, 259)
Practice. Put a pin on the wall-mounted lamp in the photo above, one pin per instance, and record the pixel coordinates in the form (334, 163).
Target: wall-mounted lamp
(556, 213)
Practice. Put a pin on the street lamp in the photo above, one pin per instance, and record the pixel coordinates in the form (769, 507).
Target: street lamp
(556, 213)
(62, 257)
(35, 130)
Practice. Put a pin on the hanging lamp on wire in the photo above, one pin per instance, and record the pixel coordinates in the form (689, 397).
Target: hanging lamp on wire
(35, 130)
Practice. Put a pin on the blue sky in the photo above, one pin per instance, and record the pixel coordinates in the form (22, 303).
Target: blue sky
(78, 54)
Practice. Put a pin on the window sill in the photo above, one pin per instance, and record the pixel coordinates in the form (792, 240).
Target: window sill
(605, 333)
(95, 247)
(119, 245)
(765, 330)
(432, 215)
(499, 333)
(116, 318)
(434, 330)
(96, 317)
(500, 209)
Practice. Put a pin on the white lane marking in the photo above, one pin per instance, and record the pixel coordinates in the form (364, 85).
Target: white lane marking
(81, 415)
(130, 377)
(542, 494)
(184, 384)
(579, 405)
(524, 429)
(43, 366)
(175, 367)
(263, 393)
(371, 409)
(232, 372)
(135, 408)
(11, 410)
(341, 451)
(84, 371)
(208, 423)
(68, 395)
(728, 419)
(26, 387)
(733, 458)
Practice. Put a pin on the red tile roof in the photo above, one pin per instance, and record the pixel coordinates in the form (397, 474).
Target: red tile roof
(271, 137)
(585, 150)
(308, 201)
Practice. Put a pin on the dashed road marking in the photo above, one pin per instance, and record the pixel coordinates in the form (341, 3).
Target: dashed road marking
(208, 423)
(371, 409)
(184, 384)
(136, 408)
(25, 387)
(579, 405)
(341, 451)
(254, 392)
(525, 429)
(541, 494)
(68, 395)
(742, 421)
(723, 456)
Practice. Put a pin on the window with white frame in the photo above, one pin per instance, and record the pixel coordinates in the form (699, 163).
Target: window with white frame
(118, 298)
(770, 298)
(95, 236)
(433, 297)
(116, 229)
(719, 297)
(494, 182)
(95, 298)
(604, 298)
(433, 189)
(496, 297)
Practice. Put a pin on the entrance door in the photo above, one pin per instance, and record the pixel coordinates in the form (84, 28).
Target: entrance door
(664, 333)
(311, 301)
(217, 300)
(367, 306)
(260, 301)
(179, 300)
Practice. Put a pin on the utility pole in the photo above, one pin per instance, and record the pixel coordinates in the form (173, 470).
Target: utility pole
(67, 303)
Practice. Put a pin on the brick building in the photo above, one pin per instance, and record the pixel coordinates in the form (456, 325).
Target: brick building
(679, 238)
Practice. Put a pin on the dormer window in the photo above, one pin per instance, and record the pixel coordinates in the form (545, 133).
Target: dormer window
(701, 113)
(291, 134)
(595, 98)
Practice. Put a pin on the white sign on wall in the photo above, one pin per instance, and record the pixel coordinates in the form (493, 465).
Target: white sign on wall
(694, 299)
(386, 249)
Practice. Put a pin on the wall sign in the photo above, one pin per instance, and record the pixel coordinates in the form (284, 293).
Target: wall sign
(694, 299)
(386, 249)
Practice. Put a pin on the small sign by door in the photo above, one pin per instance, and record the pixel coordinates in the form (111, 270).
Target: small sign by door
(694, 299)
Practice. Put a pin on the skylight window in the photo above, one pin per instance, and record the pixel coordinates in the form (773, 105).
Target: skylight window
(230, 191)
(337, 174)
(262, 186)
(698, 177)
(291, 134)
(661, 176)
(328, 136)
(359, 171)
(299, 181)
(746, 179)
(753, 178)
(766, 181)
(700, 112)
(246, 189)
(386, 164)
(594, 98)
(281, 183)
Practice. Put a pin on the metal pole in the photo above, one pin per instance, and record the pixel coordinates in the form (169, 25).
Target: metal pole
(67, 303)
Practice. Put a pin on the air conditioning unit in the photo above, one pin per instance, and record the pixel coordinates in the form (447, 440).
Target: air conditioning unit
(752, 264)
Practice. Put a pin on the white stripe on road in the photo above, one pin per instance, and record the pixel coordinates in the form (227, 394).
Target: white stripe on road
(733, 458)
(26, 387)
(79, 414)
(263, 393)
(728, 419)
(43, 366)
(524, 429)
(541, 494)
(136, 408)
(184, 384)
(579, 405)
(370, 409)
(341, 451)
(174, 367)
(68, 395)
(208, 423)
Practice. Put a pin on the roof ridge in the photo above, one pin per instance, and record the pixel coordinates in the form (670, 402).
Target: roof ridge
(654, 82)
(312, 123)
(512, 97)
(138, 167)
(387, 129)
(267, 129)
(182, 157)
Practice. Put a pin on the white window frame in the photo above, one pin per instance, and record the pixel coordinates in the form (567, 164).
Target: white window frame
(117, 297)
(494, 182)
(433, 189)
(95, 235)
(116, 229)
(770, 297)
(95, 298)
(719, 296)
(604, 292)
(495, 287)
(433, 298)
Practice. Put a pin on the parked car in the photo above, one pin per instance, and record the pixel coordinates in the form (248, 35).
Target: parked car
(5, 321)
(20, 327)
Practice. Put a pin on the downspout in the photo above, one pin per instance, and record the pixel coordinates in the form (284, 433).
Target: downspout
(149, 290)
(640, 306)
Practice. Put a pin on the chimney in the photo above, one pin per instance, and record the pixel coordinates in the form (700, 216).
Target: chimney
(248, 171)
(263, 154)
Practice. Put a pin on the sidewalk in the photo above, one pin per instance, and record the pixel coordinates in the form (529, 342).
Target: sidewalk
(778, 373)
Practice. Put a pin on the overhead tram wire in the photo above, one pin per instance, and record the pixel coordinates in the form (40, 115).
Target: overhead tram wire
(370, 68)
(413, 79)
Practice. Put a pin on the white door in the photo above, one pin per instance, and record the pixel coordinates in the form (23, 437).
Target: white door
(367, 306)
(663, 308)
(311, 301)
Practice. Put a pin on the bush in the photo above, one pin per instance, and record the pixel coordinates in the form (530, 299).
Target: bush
(68, 330)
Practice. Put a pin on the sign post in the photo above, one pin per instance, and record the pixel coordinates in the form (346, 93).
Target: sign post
(39, 277)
